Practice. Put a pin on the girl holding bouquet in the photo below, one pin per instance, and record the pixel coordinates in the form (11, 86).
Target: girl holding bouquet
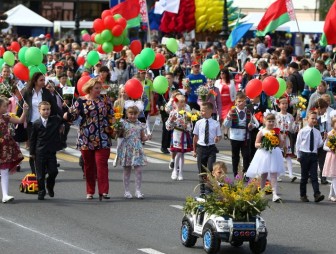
(181, 139)
(329, 168)
(268, 159)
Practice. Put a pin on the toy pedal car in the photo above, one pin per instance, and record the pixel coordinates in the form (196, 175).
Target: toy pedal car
(268, 188)
(29, 184)
(214, 229)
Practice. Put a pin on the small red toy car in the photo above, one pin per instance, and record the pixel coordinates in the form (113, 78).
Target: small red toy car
(29, 184)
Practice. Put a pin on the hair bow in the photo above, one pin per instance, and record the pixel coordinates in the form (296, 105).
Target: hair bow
(131, 103)
(267, 112)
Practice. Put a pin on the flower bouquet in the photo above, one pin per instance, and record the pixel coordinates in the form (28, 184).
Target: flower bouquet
(113, 91)
(202, 92)
(116, 127)
(271, 140)
(331, 143)
(233, 198)
(193, 116)
(5, 89)
(185, 83)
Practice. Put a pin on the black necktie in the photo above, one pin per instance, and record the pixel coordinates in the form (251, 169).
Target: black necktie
(241, 115)
(206, 134)
(311, 141)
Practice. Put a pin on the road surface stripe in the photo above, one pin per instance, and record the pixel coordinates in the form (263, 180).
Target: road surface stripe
(177, 207)
(45, 235)
(150, 251)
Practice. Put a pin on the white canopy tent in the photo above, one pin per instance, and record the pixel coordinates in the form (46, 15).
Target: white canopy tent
(22, 16)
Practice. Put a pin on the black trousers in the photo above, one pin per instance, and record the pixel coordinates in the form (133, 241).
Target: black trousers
(31, 160)
(46, 163)
(321, 154)
(64, 136)
(206, 157)
(166, 135)
(253, 137)
(236, 148)
(308, 163)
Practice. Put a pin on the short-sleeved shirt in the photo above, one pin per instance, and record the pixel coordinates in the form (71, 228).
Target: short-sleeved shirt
(214, 131)
(195, 81)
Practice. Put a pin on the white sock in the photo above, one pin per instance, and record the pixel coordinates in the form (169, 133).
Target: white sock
(4, 183)
(289, 166)
(181, 163)
(333, 184)
(177, 161)
(274, 183)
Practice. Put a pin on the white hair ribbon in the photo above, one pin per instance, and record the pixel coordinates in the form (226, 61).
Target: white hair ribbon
(131, 103)
(267, 112)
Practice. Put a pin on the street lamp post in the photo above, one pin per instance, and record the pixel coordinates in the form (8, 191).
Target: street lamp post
(225, 29)
(77, 32)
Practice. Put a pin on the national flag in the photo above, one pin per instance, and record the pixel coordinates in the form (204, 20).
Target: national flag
(130, 10)
(237, 33)
(330, 25)
(278, 13)
(167, 5)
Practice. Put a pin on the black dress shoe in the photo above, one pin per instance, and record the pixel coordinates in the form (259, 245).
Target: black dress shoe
(318, 197)
(304, 199)
(164, 150)
(50, 191)
(324, 181)
(41, 195)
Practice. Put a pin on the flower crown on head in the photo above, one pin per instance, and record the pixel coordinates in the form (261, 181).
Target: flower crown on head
(267, 112)
(131, 103)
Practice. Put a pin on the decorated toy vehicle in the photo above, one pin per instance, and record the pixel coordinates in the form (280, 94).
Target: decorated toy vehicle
(214, 229)
(29, 184)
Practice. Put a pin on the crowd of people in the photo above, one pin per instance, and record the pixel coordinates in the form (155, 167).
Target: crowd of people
(40, 114)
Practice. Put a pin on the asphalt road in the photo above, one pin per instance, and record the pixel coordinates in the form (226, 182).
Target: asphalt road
(68, 223)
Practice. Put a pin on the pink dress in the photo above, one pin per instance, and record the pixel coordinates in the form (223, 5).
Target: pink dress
(329, 168)
(226, 100)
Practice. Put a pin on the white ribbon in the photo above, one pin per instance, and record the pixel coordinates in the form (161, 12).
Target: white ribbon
(267, 112)
(131, 103)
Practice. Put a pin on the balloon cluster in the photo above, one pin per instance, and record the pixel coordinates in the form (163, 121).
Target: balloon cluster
(271, 86)
(86, 36)
(110, 32)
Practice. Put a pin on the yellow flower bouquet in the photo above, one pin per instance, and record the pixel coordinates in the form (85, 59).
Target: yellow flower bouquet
(271, 140)
(116, 125)
(236, 199)
(331, 142)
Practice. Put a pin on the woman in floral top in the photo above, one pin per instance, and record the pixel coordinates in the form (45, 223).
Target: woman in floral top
(181, 139)
(94, 136)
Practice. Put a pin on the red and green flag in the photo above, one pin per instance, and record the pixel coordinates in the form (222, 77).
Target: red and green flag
(278, 13)
(329, 29)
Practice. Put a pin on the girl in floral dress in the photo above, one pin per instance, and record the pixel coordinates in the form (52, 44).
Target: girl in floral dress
(10, 155)
(267, 161)
(130, 151)
(285, 122)
(181, 139)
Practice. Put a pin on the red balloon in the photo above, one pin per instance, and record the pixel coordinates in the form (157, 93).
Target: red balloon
(270, 86)
(98, 25)
(80, 83)
(117, 30)
(133, 88)
(118, 48)
(2, 50)
(136, 47)
(158, 62)
(93, 37)
(15, 46)
(250, 68)
(85, 73)
(100, 49)
(109, 22)
(106, 13)
(21, 71)
(80, 60)
(253, 88)
(122, 22)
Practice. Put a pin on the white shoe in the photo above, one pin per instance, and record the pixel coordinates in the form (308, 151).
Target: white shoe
(332, 199)
(276, 198)
(180, 177)
(279, 179)
(7, 199)
(128, 195)
(139, 195)
(174, 175)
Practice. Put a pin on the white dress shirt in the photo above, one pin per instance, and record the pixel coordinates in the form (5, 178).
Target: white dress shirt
(36, 99)
(303, 141)
(44, 121)
(214, 131)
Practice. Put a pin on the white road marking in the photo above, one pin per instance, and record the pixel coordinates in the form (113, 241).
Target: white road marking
(177, 207)
(150, 251)
(3, 239)
(46, 236)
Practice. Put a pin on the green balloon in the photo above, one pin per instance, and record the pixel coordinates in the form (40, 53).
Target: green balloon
(32, 70)
(99, 39)
(9, 58)
(42, 68)
(84, 32)
(126, 41)
(160, 84)
(117, 40)
(44, 49)
(22, 57)
(87, 65)
(139, 62)
(1, 63)
(106, 35)
(148, 56)
(282, 88)
(172, 45)
(33, 56)
(210, 68)
(107, 47)
(117, 16)
(93, 57)
(312, 77)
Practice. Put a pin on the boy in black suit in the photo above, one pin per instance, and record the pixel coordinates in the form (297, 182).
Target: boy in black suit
(45, 141)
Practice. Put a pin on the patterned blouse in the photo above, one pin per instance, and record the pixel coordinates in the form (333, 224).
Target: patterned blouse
(94, 128)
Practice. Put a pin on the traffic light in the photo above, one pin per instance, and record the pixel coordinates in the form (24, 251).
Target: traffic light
(3, 23)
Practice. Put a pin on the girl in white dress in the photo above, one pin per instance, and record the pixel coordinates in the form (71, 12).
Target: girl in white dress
(267, 162)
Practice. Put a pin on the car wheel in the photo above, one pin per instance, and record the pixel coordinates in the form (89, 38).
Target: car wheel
(259, 246)
(211, 242)
(236, 243)
(187, 238)
(26, 189)
(21, 188)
